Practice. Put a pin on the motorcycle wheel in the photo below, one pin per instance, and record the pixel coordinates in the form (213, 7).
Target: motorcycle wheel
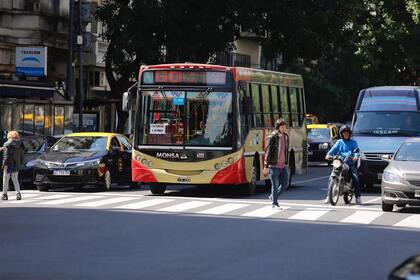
(334, 192)
(348, 197)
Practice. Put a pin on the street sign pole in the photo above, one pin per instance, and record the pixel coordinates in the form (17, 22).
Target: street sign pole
(80, 49)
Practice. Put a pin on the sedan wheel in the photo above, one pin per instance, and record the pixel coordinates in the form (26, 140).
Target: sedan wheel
(107, 181)
(387, 207)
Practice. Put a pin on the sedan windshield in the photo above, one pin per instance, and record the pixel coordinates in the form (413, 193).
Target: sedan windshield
(319, 134)
(387, 123)
(85, 143)
(196, 118)
(408, 152)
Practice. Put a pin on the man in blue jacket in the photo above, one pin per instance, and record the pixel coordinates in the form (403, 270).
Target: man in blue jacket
(345, 147)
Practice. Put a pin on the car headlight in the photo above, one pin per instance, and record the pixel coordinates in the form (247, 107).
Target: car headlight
(31, 163)
(89, 163)
(389, 177)
(323, 146)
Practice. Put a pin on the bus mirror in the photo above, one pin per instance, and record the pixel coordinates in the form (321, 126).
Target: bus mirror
(126, 102)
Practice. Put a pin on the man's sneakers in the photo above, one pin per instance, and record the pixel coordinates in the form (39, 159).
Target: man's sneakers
(276, 205)
(18, 196)
(4, 197)
(270, 197)
(358, 200)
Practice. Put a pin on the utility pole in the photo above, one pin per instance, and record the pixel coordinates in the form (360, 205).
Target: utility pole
(69, 80)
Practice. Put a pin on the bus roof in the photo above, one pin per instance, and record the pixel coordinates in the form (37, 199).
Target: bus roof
(240, 73)
(311, 126)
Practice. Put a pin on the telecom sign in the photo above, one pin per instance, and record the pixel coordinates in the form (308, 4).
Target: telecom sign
(31, 61)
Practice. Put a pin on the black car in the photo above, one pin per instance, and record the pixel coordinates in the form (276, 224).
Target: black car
(34, 147)
(81, 159)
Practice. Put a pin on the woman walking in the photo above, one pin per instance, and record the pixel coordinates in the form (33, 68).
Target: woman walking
(12, 161)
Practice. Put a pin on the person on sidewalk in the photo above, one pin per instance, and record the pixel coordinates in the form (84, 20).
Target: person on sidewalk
(345, 147)
(12, 161)
(276, 160)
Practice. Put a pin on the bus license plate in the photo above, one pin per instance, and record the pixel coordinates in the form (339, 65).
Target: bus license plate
(62, 172)
(416, 193)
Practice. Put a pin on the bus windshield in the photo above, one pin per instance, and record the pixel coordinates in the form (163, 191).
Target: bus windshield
(387, 124)
(191, 118)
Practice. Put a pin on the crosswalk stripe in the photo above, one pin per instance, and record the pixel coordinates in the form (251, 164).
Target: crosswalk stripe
(71, 199)
(362, 217)
(30, 195)
(144, 204)
(264, 212)
(411, 221)
(48, 197)
(105, 201)
(184, 206)
(309, 214)
(223, 209)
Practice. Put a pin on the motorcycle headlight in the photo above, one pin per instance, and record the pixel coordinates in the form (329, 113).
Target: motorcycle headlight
(336, 163)
(89, 163)
(390, 177)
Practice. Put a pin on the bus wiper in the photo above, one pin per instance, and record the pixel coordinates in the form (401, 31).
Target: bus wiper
(163, 93)
(206, 93)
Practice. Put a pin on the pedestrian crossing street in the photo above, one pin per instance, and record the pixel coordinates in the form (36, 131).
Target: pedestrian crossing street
(348, 215)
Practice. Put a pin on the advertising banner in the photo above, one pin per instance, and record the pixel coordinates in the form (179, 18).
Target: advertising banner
(31, 61)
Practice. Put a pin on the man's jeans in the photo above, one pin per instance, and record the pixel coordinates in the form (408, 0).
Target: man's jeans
(355, 178)
(279, 181)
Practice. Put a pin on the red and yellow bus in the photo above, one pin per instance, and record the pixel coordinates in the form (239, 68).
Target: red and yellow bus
(207, 124)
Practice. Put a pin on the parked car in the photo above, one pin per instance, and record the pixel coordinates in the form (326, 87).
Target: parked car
(87, 158)
(34, 147)
(401, 178)
(321, 137)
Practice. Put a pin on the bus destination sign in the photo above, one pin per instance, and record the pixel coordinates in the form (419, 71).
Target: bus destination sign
(187, 77)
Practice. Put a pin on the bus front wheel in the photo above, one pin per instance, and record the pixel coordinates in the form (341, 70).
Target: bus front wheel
(156, 188)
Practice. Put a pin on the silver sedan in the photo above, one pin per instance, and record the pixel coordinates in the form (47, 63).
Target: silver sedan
(401, 179)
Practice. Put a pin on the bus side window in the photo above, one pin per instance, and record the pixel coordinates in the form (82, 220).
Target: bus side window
(294, 106)
(275, 103)
(245, 111)
(267, 112)
(255, 94)
(285, 111)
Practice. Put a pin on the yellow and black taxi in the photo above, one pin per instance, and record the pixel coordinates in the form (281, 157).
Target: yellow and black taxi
(321, 137)
(87, 158)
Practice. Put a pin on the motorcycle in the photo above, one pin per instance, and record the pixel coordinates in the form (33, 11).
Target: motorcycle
(340, 182)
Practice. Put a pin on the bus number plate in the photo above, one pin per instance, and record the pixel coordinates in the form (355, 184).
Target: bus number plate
(183, 179)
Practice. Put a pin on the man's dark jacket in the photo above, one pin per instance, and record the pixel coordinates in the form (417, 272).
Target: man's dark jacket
(272, 149)
(14, 155)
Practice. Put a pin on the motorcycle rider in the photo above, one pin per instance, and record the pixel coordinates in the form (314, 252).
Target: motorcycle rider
(345, 147)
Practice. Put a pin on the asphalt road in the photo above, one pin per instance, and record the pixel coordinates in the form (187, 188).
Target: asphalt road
(204, 233)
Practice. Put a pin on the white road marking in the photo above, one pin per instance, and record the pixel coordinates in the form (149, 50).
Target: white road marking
(309, 214)
(372, 200)
(362, 217)
(105, 201)
(30, 195)
(310, 180)
(144, 204)
(223, 209)
(37, 199)
(71, 199)
(184, 206)
(412, 221)
(264, 212)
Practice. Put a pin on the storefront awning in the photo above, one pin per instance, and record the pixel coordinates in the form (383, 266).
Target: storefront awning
(27, 90)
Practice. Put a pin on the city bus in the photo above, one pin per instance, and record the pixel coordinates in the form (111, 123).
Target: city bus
(199, 124)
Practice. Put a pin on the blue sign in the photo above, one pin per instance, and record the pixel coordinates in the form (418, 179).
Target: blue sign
(31, 61)
(178, 101)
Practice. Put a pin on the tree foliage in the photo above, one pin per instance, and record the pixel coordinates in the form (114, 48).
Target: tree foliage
(339, 46)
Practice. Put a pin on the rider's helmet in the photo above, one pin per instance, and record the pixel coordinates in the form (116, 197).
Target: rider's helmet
(343, 129)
